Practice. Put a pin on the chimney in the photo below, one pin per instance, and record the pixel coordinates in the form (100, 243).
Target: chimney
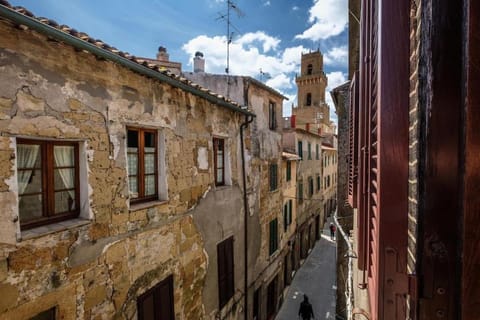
(162, 54)
(198, 62)
(319, 131)
(292, 121)
(308, 127)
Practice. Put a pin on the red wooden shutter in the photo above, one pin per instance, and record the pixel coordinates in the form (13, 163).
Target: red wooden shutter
(353, 142)
(383, 150)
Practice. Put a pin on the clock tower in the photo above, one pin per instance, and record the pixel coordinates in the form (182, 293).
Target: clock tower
(311, 112)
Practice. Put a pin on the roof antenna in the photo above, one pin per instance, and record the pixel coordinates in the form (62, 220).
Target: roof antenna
(226, 17)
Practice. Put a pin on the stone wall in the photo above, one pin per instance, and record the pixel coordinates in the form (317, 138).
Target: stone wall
(97, 265)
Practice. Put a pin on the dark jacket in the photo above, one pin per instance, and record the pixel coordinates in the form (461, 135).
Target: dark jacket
(306, 310)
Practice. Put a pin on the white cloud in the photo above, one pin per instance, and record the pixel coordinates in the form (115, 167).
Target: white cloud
(295, 8)
(280, 81)
(328, 17)
(336, 56)
(267, 3)
(268, 42)
(335, 79)
(248, 54)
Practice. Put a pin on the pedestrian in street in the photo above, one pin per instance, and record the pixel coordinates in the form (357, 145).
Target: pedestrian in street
(332, 230)
(306, 310)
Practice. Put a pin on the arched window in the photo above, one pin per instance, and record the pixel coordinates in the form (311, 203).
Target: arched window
(309, 69)
(309, 99)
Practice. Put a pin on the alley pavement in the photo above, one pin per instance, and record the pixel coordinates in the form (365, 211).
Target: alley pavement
(317, 279)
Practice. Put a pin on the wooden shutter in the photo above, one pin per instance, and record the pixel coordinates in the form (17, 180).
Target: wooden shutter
(285, 217)
(157, 303)
(353, 154)
(225, 271)
(273, 236)
(383, 162)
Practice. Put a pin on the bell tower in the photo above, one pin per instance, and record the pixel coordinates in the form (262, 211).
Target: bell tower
(312, 113)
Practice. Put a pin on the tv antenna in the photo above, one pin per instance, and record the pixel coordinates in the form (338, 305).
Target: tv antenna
(225, 16)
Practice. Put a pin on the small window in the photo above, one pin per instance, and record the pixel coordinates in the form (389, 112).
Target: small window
(273, 246)
(219, 161)
(309, 69)
(308, 102)
(142, 164)
(272, 116)
(48, 181)
(157, 303)
(45, 315)
(290, 210)
(300, 191)
(287, 214)
(310, 186)
(289, 171)
(273, 168)
(309, 146)
(300, 149)
(225, 271)
(317, 150)
(319, 183)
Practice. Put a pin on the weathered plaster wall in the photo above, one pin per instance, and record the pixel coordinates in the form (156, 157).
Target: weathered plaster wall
(97, 266)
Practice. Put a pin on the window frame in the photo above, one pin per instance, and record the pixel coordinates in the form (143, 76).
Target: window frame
(308, 100)
(225, 262)
(46, 152)
(216, 142)
(141, 165)
(309, 149)
(288, 174)
(272, 116)
(155, 292)
(273, 236)
(273, 176)
(300, 149)
(310, 186)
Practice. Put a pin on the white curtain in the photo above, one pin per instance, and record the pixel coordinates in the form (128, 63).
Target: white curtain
(64, 158)
(26, 158)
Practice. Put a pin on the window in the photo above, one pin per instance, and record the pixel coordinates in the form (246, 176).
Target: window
(273, 245)
(309, 146)
(273, 168)
(310, 186)
(272, 116)
(309, 69)
(219, 161)
(317, 150)
(45, 315)
(287, 214)
(48, 181)
(300, 149)
(319, 183)
(289, 171)
(157, 303)
(308, 102)
(300, 191)
(225, 271)
(142, 164)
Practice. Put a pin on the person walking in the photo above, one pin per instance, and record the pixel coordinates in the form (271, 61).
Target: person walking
(306, 310)
(332, 230)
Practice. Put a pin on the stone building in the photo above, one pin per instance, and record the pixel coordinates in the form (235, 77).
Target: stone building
(310, 215)
(163, 62)
(267, 236)
(413, 159)
(112, 173)
(289, 170)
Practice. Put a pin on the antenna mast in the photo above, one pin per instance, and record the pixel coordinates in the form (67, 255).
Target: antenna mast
(226, 17)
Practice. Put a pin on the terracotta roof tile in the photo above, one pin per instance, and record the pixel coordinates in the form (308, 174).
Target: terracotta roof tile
(99, 43)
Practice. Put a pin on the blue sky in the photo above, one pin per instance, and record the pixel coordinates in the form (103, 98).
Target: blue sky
(270, 34)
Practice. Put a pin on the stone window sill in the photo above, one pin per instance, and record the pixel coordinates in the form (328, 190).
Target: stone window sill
(52, 228)
(145, 205)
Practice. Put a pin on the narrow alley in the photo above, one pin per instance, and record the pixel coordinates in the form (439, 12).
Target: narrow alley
(316, 279)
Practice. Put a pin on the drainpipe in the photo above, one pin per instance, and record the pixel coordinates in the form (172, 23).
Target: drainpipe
(351, 255)
(243, 126)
